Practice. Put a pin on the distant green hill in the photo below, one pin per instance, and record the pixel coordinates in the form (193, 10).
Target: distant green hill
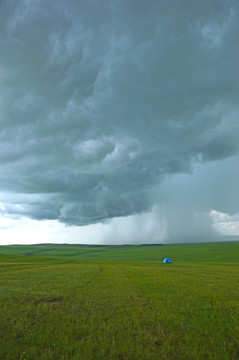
(197, 252)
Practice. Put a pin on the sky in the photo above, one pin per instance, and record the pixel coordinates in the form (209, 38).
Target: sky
(119, 121)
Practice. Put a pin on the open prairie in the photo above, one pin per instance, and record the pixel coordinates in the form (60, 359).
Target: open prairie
(119, 302)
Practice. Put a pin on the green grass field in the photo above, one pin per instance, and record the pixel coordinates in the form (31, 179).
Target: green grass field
(119, 302)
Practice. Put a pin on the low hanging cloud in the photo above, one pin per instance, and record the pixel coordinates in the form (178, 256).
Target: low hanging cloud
(102, 102)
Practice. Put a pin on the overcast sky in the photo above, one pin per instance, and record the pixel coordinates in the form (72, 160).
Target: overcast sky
(119, 120)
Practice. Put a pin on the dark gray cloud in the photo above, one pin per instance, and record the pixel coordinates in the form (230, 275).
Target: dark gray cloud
(101, 101)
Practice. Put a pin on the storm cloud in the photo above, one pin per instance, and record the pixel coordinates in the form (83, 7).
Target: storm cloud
(104, 103)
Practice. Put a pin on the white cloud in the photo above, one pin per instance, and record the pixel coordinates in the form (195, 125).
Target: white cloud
(225, 223)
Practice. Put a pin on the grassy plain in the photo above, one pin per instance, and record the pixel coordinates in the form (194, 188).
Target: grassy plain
(122, 302)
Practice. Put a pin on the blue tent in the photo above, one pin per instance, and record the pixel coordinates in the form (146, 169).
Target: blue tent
(167, 260)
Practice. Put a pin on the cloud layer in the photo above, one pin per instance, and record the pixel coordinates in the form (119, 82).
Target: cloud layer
(102, 101)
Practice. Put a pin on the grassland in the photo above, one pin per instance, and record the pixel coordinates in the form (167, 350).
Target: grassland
(69, 302)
